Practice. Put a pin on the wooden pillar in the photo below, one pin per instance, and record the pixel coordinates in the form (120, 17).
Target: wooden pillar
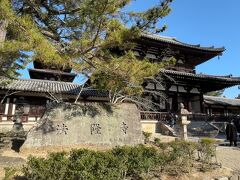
(225, 111)
(10, 107)
(2, 110)
(188, 89)
(6, 107)
(201, 102)
(13, 106)
(167, 87)
(177, 98)
(210, 110)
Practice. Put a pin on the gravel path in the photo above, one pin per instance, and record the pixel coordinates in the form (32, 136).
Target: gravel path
(229, 157)
(10, 161)
(6, 161)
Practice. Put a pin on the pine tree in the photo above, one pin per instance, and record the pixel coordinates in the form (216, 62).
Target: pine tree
(216, 93)
(19, 35)
(83, 34)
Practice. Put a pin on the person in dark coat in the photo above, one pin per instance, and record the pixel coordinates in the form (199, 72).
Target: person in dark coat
(231, 133)
(170, 119)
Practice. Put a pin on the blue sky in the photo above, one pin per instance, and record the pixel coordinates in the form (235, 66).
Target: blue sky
(205, 22)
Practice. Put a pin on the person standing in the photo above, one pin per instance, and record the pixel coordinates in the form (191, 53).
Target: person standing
(231, 133)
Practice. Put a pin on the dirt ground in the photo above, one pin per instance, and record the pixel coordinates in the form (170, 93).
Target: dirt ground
(211, 175)
(8, 161)
(10, 158)
(229, 157)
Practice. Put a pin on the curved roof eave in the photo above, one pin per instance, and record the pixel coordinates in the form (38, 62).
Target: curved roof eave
(202, 76)
(174, 41)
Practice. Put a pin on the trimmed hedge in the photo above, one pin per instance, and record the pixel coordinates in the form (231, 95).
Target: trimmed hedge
(119, 163)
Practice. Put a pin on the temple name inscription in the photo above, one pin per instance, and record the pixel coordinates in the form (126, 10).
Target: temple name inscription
(96, 128)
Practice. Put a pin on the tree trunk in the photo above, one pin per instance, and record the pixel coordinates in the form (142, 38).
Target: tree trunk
(3, 31)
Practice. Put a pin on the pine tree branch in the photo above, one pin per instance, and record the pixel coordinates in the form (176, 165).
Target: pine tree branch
(59, 12)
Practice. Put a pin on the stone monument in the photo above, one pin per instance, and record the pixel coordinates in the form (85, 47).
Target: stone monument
(86, 123)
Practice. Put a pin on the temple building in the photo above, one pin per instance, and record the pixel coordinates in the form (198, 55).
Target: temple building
(51, 72)
(179, 83)
(214, 105)
(29, 97)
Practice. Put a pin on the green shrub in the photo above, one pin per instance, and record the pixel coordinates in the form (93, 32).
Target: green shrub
(157, 141)
(54, 167)
(141, 159)
(147, 136)
(10, 172)
(86, 164)
(180, 156)
(206, 149)
(119, 163)
(137, 160)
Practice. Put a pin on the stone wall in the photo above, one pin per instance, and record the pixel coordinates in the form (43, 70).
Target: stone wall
(86, 123)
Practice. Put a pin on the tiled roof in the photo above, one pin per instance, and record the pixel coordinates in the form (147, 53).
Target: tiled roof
(174, 41)
(46, 86)
(49, 71)
(221, 101)
(202, 76)
(35, 85)
(94, 93)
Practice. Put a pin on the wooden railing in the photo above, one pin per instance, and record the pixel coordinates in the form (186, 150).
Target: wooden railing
(149, 115)
(163, 116)
(214, 117)
(198, 117)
